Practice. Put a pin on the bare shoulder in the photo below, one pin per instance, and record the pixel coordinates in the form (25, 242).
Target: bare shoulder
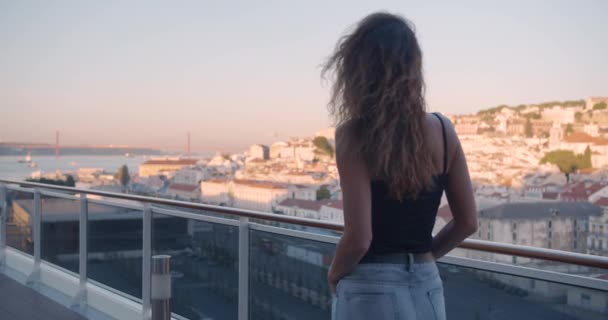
(345, 138)
(434, 123)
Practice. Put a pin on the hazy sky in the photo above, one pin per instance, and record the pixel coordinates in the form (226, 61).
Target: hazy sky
(235, 73)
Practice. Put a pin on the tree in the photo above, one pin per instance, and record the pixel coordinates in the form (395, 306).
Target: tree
(55, 182)
(528, 128)
(123, 176)
(586, 161)
(323, 193)
(69, 181)
(600, 106)
(323, 145)
(569, 129)
(578, 115)
(567, 161)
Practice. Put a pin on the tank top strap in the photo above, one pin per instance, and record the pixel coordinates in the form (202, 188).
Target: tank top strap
(445, 143)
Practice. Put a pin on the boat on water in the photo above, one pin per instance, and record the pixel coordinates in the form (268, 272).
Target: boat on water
(73, 163)
(27, 159)
(33, 165)
(128, 155)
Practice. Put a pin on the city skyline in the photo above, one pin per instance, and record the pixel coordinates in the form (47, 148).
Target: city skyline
(148, 74)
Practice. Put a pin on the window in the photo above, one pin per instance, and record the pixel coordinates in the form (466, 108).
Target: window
(592, 243)
(550, 223)
(574, 244)
(585, 299)
(600, 244)
(514, 236)
(514, 226)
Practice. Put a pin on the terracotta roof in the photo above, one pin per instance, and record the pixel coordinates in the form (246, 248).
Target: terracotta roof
(183, 187)
(216, 181)
(181, 162)
(581, 190)
(580, 137)
(260, 184)
(602, 202)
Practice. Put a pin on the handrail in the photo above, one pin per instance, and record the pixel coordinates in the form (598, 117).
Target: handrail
(473, 244)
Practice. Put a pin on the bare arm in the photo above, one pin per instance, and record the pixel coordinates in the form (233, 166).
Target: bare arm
(459, 192)
(356, 194)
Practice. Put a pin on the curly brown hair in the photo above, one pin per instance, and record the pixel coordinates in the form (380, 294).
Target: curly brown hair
(377, 100)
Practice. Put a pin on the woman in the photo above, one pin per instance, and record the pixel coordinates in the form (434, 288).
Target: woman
(395, 160)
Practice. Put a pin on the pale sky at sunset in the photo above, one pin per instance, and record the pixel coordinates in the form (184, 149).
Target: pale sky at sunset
(235, 72)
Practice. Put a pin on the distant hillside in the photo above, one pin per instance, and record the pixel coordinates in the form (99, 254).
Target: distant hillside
(41, 149)
(565, 104)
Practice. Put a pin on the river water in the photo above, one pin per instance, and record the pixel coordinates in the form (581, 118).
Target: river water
(10, 168)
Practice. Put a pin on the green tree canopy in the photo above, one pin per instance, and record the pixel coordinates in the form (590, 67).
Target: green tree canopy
(323, 145)
(528, 128)
(123, 176)
(567, 161)
(586, 158)
(569, 129)
(323, 193)
(69, 182)
(600, 106)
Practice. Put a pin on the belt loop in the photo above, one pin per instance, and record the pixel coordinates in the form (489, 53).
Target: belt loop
(410, 261)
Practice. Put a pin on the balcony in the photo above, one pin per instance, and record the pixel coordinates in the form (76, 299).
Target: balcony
(91, 253)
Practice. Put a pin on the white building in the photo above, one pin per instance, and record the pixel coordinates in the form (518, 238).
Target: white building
(155, 167)
(259, 151)
(332, 210)
(556, 135)
(184, 192)
(216, 192)
(559, 115)
(553, 225)
(591, 129)
(597, 242)
(299, 208)
(327, 210)
(303, 192)
(190, 176)
(277, 148)
(256, 195)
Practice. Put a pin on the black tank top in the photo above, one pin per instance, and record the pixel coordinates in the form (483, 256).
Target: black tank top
(406, 226)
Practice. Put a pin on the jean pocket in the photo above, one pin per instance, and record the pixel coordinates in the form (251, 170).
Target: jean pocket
(367, 305)
(437, 303)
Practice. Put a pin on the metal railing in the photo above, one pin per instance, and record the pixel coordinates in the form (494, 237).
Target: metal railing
(245, 224)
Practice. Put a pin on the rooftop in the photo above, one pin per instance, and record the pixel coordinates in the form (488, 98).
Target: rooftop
(180, 162)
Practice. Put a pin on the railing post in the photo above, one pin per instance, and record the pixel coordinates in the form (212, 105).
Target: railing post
(80, 299)
(146, 261)
(243, 299)
(34, 277)
(161, 287)
(3, 218)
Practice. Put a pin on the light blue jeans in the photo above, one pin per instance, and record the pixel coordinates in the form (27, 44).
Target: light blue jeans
(383, 291)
